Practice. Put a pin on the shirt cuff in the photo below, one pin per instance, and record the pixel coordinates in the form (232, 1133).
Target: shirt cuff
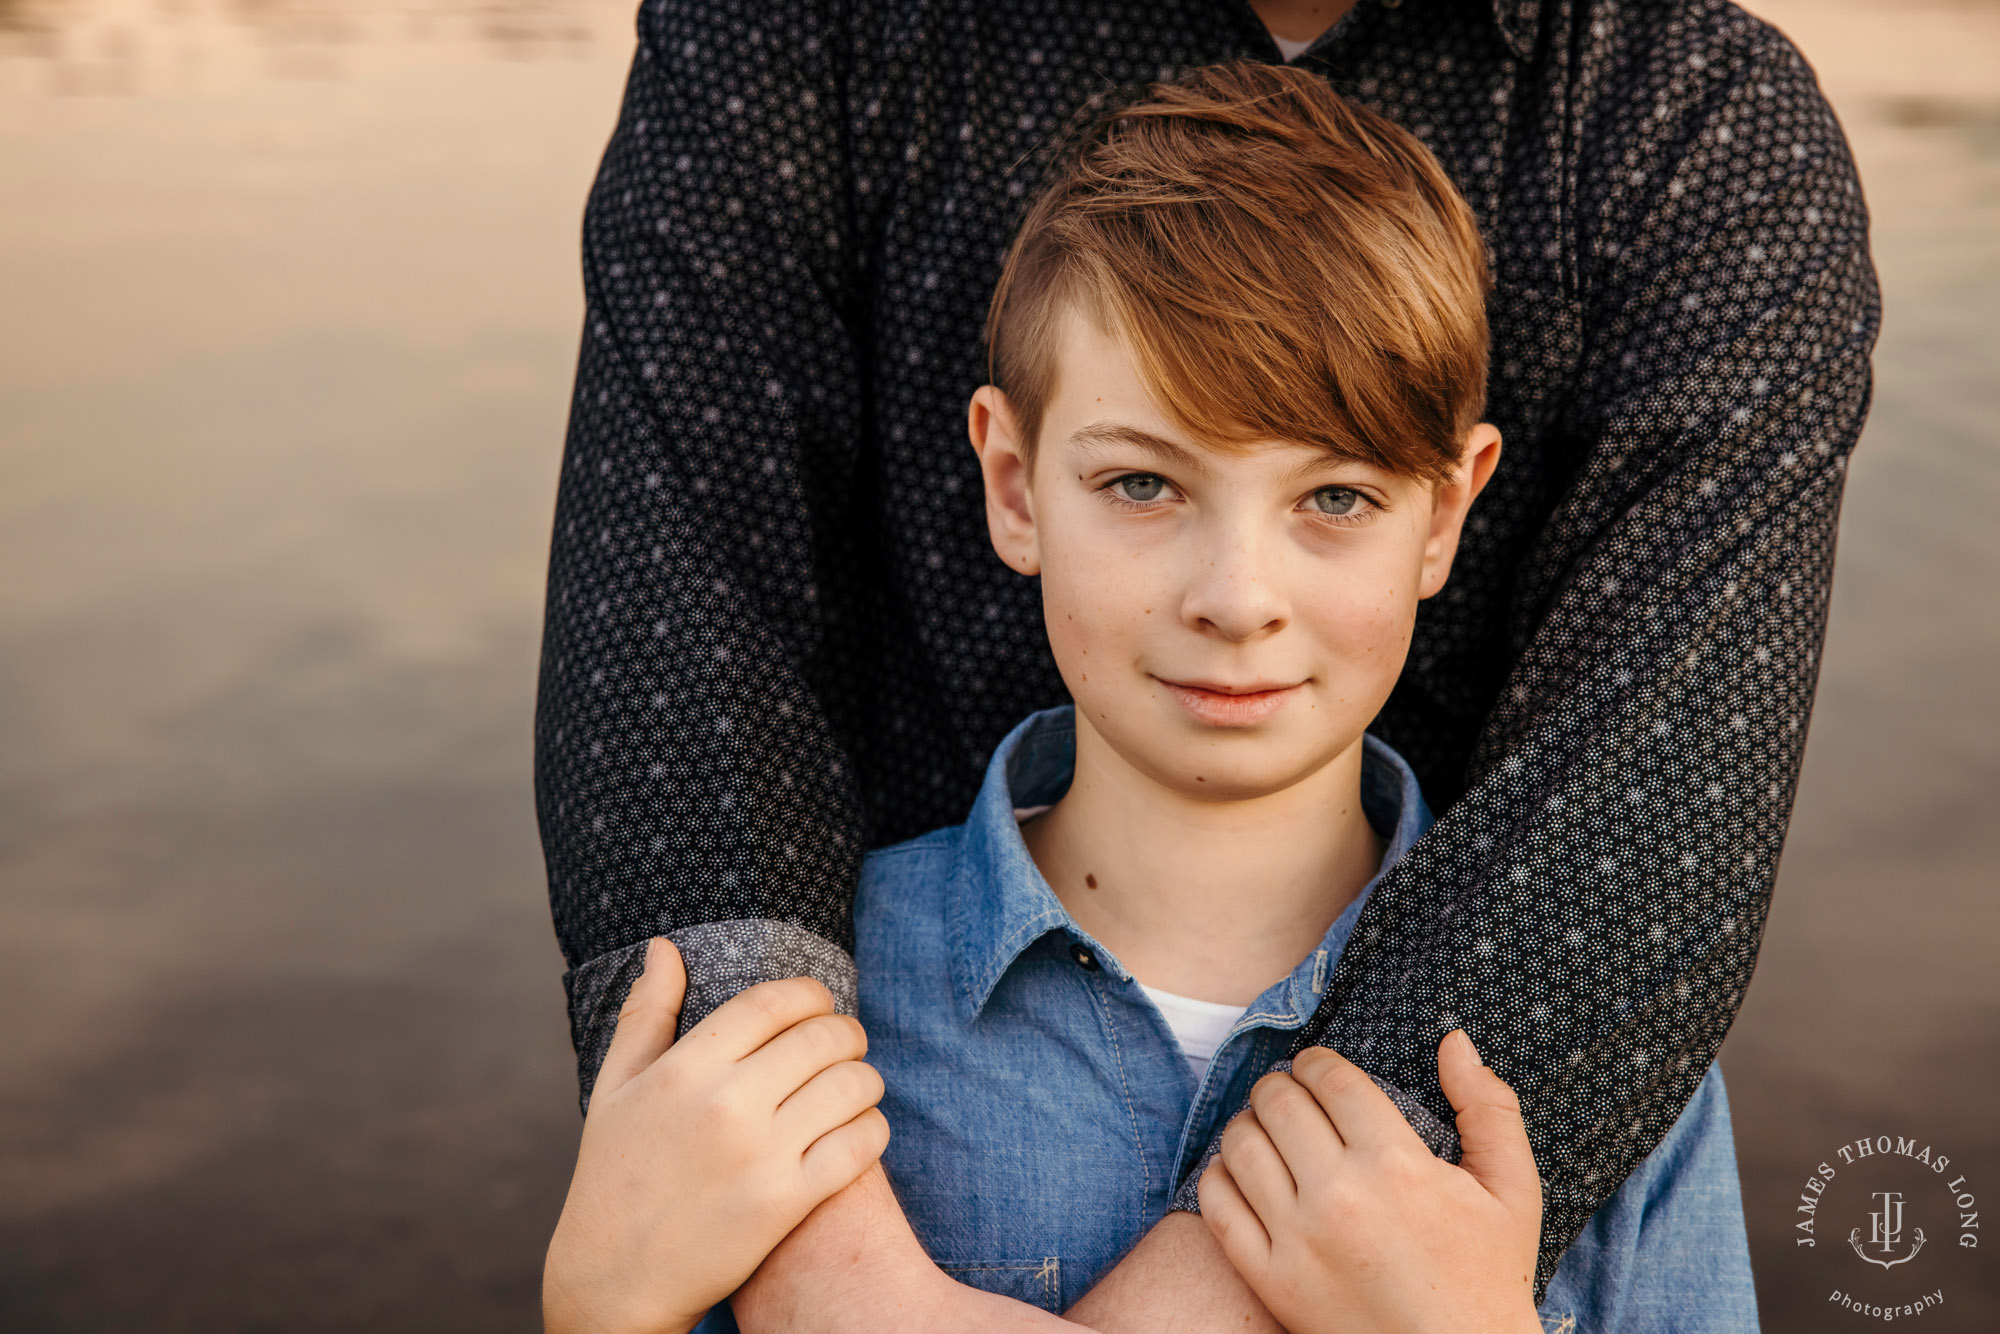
(1438, 1135)
(722, 958)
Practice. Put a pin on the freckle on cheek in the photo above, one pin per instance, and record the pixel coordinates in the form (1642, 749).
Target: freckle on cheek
(1089, 881)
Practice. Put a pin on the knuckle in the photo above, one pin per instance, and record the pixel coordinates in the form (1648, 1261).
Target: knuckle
(1280, 1100)
(1401, 1168)
(878, 1129)
(850, 1083)
(837, 1038)
(1338, 1078)
(1331, 1205)
(636, 1009)
(1494, 1118)
(784, 997)
(871, 1137)
(725, 1107)
(867, 1081)
(809, 993)
(1272, 1090)
(823, 1037)
(766, 998)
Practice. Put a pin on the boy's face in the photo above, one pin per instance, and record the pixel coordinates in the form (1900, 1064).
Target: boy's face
(1229, 623)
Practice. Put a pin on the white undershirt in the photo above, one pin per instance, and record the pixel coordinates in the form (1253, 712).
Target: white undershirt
(1290, 49)
(1199, 1026)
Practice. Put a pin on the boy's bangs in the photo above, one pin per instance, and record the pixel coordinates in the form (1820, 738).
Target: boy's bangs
(1232, 375)
(1280, 264)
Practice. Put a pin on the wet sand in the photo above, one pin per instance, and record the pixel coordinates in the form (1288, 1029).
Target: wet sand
(291, 315)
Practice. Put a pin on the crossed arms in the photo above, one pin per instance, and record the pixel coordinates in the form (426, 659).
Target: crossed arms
(702, 1154)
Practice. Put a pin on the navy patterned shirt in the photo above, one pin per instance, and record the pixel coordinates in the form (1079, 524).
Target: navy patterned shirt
(777, 637)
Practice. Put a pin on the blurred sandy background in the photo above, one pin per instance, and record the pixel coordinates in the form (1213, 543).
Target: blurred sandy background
(288, 309)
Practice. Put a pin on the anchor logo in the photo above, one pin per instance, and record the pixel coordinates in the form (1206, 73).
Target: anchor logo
(1887, 1231)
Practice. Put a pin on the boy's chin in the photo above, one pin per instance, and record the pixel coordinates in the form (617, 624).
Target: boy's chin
(1201, 773)
(1210, 786)
(1211, 764)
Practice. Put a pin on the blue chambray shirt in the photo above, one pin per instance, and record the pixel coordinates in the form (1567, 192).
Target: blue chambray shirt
(1042, 1114)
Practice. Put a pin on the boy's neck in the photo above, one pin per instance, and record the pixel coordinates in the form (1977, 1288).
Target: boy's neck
(1211, 899)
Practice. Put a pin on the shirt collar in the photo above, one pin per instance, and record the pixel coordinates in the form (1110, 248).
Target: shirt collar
(1000, 905)
(1520, 23)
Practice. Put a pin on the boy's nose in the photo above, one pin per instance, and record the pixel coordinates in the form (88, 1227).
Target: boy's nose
(1233, 591)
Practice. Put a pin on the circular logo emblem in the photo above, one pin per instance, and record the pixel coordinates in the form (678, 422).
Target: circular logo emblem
(1880, 1210)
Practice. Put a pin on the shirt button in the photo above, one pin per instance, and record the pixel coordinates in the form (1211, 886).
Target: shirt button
(1084, 958)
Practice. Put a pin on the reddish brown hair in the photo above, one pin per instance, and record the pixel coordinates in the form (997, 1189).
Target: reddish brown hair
(1280, 263)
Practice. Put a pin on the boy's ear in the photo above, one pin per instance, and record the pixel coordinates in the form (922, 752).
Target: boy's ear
(1452, 499)
(1010, 509)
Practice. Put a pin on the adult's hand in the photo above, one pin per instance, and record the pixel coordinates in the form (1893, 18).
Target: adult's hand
(698, 1156)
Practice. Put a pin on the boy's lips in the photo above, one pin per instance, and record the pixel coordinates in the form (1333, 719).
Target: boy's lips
(1226, 705)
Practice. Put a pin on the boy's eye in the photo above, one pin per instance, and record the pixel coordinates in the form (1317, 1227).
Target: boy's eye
(1336, 500)
(1140, 486)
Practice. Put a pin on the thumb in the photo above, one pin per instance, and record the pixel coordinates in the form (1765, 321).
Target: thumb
(647, 1020)
(1491, 1134)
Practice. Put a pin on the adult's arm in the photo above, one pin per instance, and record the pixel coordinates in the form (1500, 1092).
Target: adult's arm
(691, 775)
(1590, 908)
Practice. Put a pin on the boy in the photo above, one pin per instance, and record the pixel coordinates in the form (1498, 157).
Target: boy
(1239, 354)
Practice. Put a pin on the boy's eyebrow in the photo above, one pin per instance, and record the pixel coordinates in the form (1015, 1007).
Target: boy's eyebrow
(1102, 433)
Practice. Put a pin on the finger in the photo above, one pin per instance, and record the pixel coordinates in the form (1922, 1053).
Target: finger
(1491, 1132)
(839, 1157)
(830, 1099)
(645, 1024)
(782, 1066)
(755, 1015)
(1298, 1127)
(1360, 1111)
(1258, 1168)
(1232, 1222)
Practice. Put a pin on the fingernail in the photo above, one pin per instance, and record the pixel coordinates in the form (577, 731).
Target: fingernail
(646, 960)
(1465, 1040)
